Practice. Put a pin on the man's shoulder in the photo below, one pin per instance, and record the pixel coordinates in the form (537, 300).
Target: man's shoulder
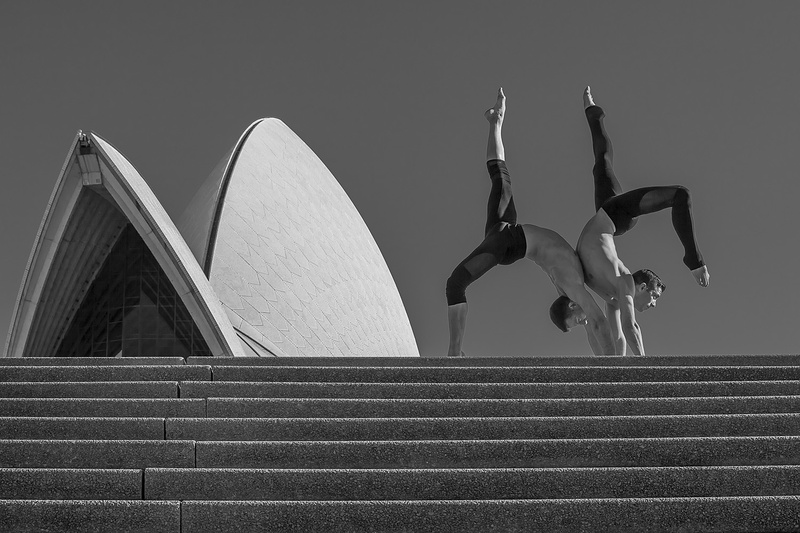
(599, 224)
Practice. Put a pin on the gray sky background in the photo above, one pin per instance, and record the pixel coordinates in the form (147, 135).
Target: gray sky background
(391, 95)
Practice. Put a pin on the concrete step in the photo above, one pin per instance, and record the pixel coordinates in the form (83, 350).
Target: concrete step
(91, 516)
(399, 408)
(296, 389)
(659, 360)
(513, 453)
(732, 514)
(477, 428)
(401, 454)
(468, 484)
(105, 373)
(93, 407)
(90, 361)
(633, 515)
(89, 428)
(91, 389)
(96, 453)
(70, 484)
(502, 374)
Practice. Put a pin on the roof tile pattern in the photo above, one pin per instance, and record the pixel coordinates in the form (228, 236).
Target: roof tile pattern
(294, 260)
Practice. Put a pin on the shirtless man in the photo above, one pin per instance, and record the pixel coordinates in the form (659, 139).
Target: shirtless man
(506, 242)
(605, 273)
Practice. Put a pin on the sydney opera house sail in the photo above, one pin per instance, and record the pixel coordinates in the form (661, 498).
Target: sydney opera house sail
(291, 259)
(272, 259)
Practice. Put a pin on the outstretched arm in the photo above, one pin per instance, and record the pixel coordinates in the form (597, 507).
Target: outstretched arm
(612, 313)
(625, 292)
(594, 344)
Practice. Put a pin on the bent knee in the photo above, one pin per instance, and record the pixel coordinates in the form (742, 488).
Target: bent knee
(456, 289)
(682, 195)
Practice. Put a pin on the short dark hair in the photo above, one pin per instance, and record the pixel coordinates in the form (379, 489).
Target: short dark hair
(559, 311)
(650, 278)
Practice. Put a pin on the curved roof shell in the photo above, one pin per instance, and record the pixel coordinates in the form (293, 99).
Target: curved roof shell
(289, 256)
(99, 192)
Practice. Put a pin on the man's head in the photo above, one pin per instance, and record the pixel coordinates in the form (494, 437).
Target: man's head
(649, 288)
(566, 314)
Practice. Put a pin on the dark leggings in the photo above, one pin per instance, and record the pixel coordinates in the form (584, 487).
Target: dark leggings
(623, 208)
(503, 243)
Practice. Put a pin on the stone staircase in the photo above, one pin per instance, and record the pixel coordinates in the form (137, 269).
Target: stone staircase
(682, 443)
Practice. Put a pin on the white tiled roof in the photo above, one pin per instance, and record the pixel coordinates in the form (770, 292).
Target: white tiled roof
(293, 261)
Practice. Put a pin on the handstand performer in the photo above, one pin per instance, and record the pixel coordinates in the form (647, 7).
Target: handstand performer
(616, 213)
(505, 242)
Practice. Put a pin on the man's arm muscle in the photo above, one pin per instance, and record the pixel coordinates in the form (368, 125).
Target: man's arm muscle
(625, 292)
(612, 313)
(593, 343)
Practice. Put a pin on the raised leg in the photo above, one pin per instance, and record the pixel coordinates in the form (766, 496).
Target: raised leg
(606, 184)
(651, 199)
(495, 115)
(492, 250)
(500, 207)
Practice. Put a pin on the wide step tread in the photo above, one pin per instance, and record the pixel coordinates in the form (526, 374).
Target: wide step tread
(634, 515)
(90, 516)
(97, 407)
(90, 389)
(504, 374)
(512, 453)
(396, 408)
(97, 453)
(468, 484)
(658, 360)
(70, 484)
(481, 427)
(300, 389)
(93, 428)
(105, 373)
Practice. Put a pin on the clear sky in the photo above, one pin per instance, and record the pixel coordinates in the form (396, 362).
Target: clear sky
(391, 95)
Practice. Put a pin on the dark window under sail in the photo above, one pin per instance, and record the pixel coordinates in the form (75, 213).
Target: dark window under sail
(132, 309)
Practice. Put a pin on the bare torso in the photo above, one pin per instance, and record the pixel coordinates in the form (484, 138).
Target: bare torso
(554, 255)
(598, 255)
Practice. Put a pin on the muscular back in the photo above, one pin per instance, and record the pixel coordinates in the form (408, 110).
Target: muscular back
(554, 255)
(598, 255)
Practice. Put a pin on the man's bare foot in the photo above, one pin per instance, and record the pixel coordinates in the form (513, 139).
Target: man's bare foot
(462, 354)
(587, 97)
(496, 113)
(702, 276)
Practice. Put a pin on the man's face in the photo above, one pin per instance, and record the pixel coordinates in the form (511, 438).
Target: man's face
(645, 298)
(576, 318)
